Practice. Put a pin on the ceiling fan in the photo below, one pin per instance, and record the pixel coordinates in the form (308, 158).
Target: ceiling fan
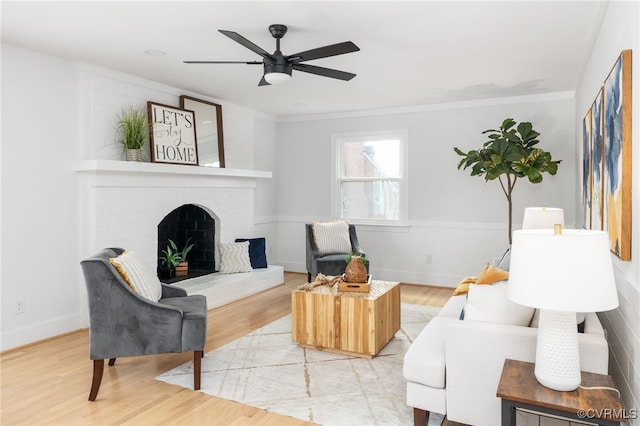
(278, 67)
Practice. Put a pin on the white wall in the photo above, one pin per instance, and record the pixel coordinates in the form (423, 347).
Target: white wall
(619, 31)
(39, 207)
(266, 198)
(57, 112)
(460, 220)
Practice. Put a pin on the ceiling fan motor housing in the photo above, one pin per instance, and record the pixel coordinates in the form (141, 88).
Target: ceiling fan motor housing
(283, 68)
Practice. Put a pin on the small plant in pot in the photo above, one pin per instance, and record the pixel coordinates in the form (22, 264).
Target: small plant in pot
(133, 132)
(183, 267)
(169, 260)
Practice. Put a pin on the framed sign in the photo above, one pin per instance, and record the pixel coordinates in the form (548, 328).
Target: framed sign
(209, 135)
(172, 134)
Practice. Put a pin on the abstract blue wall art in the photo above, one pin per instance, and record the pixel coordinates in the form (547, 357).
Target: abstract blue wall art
(597, 186)
(617, 156)
(586, 171)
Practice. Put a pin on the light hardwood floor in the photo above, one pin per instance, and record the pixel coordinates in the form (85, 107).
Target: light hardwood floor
(48, 382)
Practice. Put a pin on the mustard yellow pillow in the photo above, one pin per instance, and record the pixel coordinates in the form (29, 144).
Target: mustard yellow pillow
(463, 286)
(490, 274)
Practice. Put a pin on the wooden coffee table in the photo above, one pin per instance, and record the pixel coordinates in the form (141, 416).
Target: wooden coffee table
(358, 324)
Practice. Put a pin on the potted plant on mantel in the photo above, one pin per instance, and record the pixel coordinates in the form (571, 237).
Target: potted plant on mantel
(508, 155)
(133, 130)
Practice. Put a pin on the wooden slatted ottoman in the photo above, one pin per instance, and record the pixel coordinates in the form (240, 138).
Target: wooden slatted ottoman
(358, 324)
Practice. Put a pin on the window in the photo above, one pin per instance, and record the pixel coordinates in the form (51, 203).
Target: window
(370, 173)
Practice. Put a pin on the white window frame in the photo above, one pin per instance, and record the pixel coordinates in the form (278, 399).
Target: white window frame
(340, 138)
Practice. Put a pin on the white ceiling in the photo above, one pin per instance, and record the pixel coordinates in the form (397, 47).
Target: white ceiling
(412, 53)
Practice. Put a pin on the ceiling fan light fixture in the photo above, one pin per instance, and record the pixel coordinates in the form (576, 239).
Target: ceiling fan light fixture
(277, 78)
(278, 67)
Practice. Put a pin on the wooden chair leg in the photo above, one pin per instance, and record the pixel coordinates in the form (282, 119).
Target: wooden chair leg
(308, 277)
(112, 362)
(197, 366)
(420, 417)
(98, 368)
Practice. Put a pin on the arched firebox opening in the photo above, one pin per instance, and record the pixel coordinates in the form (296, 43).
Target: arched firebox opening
(189, 224)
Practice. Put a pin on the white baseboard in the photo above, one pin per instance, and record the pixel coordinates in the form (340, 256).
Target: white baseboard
(40, 331)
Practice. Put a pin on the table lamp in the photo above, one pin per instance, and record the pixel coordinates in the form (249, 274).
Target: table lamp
(561, 272)
(542, 217)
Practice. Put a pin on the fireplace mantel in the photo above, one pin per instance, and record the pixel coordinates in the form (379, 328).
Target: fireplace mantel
(133, 173)
(113, 166)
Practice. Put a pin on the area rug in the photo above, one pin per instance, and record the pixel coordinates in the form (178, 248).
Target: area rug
(266, 369)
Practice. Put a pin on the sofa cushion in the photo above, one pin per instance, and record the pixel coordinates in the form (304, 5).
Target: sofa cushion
(489, 303)
(453, 307)
(424, 362)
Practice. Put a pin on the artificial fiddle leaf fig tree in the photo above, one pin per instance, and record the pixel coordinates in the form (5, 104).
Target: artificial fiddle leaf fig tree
(508, 155)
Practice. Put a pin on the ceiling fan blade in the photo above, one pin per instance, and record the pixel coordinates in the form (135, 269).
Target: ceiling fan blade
(325, 72)
(246, 43)
(324, 52)
(224, 62)
(264, 82)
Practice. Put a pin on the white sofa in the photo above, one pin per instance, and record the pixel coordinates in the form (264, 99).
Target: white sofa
(453, 366)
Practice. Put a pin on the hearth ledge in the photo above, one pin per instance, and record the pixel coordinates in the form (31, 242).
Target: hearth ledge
(113, 166)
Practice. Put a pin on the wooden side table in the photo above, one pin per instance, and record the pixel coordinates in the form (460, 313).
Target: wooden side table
(518, 388)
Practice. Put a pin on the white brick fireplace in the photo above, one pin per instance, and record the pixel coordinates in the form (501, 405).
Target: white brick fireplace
(123, 202)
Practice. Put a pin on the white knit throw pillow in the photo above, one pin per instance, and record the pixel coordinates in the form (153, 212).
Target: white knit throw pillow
(234, 257)
(332, 237)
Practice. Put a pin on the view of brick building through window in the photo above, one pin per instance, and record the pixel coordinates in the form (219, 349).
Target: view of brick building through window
(370, 177)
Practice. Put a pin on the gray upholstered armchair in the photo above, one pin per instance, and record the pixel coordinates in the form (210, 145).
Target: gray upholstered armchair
(122, 323)
(329, 264)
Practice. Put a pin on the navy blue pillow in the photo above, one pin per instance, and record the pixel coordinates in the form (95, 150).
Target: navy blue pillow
(257, 251)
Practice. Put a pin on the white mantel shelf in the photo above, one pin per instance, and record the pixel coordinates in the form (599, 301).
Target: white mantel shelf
(144, 168)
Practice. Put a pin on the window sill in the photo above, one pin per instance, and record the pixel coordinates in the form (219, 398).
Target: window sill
(380, 226)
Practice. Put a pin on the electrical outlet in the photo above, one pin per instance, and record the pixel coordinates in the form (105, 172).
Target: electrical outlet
(19, 306)
(428, 259)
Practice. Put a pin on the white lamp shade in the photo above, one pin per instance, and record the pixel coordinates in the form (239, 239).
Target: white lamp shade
(571, 271)
(276, 78)
(542, 217)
